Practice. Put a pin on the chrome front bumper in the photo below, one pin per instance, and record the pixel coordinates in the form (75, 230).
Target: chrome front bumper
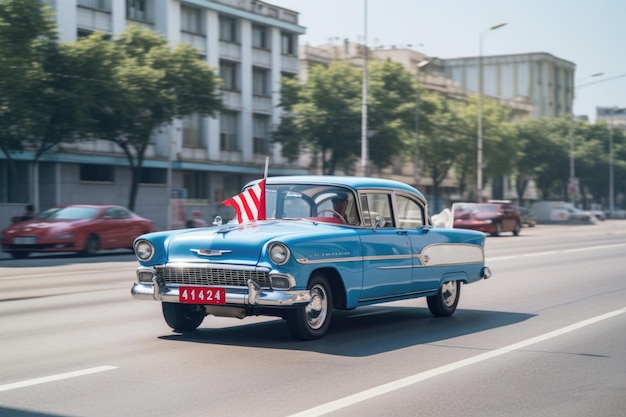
(253, 295)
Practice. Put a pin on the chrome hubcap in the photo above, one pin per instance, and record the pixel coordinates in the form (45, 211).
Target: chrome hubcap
(448, 293)
(317, 309)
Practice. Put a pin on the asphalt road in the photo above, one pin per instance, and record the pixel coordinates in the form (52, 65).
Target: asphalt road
(544, 336)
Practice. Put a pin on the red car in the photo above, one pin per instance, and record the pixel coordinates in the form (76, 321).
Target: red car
(80, 228)
(492, 218)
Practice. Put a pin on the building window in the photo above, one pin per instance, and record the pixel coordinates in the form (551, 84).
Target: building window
(191, 20)
(260, 127)
(153, 176)
(83, 33)
(228, 29)
(287, 44)
(97, 173)
(196, 185)
(232, 185)
(229, 71)
(95, 4)
(193, 131)
(260, 81)
(14, 182)
(259, 37)
(228, 131)
(139, 10)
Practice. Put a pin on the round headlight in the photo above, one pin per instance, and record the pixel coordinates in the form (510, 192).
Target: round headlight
(144, 250)
(279, 253)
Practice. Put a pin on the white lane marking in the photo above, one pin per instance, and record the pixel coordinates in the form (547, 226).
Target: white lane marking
(57, 377)
(554, 252)
(413, 379)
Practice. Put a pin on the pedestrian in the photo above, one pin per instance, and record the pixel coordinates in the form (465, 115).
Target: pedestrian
(28, 214)
(197, 220)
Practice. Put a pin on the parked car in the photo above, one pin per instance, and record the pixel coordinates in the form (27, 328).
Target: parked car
(576, 213)
(305, 259)
(493, 218)
(81, 228)
(598, 214)
(527, 217)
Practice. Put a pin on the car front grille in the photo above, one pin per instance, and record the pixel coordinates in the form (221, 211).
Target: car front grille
(192, 275)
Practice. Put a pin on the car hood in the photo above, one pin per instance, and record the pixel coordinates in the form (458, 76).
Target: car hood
(240, 244)
(40, 228)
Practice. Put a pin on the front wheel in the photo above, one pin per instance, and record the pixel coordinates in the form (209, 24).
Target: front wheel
(19, 255)
(312, 321)
(444, 303)
(183, 317)
(92, 245)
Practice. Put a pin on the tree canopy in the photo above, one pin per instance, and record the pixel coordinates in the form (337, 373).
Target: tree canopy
(144, 84)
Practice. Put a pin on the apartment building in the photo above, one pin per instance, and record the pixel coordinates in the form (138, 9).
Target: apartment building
(199, 161)
(547, 81)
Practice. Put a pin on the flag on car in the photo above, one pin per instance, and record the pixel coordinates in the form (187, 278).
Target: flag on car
(249, 205)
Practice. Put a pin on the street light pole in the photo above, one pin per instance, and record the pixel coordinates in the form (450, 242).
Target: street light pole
(479, 141)
(611, 195)
(364, 155)
(416, 167)
(573, 187)
(611, 157)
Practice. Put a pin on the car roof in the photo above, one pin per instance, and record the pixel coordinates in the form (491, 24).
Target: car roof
(353, 182)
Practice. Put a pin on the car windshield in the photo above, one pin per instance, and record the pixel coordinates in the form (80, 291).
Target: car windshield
(460, 208)
(294, 201)
(68, 213)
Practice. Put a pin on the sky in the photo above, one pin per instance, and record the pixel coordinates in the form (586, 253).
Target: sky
(589, 33)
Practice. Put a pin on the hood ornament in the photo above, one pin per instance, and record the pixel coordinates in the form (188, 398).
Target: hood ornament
(210, 252)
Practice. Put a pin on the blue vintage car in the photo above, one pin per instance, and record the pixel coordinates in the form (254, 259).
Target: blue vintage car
(328, 242)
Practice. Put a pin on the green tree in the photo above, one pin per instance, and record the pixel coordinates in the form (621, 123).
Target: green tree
(593, 161)
(323, 115)
(391, 111)
(27, 39)
(499, 144)
(143, 84)
(442, 137)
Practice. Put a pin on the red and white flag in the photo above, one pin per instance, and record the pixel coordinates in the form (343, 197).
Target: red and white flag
(249, 205)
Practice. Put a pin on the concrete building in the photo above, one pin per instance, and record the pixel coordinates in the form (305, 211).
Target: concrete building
(545, 80)
(615, 117)
(201, 161)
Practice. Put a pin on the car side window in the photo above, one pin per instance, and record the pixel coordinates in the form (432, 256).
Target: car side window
(410, 213)
(377, 205)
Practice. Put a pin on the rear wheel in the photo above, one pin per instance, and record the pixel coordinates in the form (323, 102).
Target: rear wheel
(312, 321)
(445, 301)
(183, 317)
(517, 229)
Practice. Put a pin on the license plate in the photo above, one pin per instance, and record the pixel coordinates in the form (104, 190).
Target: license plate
(25, 240)
(201, 295)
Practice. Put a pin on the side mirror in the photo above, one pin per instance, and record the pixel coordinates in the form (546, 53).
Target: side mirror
(217, 221)
(378, 222)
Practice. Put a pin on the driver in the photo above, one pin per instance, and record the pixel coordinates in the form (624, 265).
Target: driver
(340, 204)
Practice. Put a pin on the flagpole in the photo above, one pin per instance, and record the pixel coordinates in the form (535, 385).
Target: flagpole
(267, 164)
